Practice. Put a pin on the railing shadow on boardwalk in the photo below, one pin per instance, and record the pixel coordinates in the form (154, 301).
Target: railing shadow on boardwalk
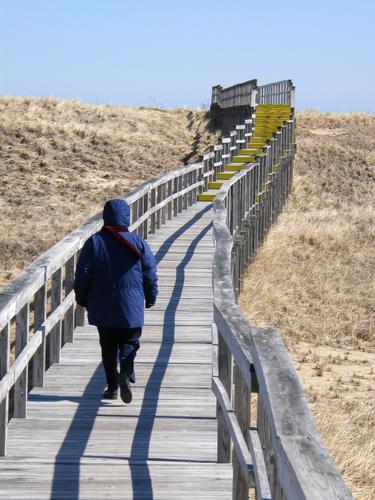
(77, 436)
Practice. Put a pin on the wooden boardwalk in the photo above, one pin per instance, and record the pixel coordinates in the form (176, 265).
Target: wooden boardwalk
(163, 445)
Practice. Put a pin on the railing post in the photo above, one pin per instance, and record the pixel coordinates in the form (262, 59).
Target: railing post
(225, 375)
(170, 204)
(234, 146)
(145, 202)
(218, 164)
(226, 155)
(4, 405)
(68, 331)
(240, 140)
(159, 212)
(39, 358)
(180, 186)
(184, 196)
(195, 190)
(190, 195)
(242, 411)
(54, 338)
(175, 201)
(153, 216)
(21, 385)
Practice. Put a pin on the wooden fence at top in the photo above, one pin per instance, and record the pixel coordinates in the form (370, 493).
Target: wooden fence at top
(249, 94)
(264, 424)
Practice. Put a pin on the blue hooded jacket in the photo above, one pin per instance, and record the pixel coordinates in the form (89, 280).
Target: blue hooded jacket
(110, 280)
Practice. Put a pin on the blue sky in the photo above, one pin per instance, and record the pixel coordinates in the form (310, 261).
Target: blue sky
(170, 53)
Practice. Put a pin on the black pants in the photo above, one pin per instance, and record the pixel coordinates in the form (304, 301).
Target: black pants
(118, 345)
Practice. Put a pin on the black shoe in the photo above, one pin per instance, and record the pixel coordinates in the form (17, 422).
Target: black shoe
(109, 394)
(125, 390)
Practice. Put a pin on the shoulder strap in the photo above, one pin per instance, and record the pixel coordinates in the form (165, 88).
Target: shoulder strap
(124, 241)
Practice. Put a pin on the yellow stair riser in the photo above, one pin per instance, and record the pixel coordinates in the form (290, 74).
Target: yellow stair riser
(235, 168)
(214, 185)
(251, 151)
(257, 144)
(272, 109)
(271, 112)
(272, 118)
(264, 119)
(243, 159)
(225, 176)
(206, 197)
(272, 130)
(268, 125)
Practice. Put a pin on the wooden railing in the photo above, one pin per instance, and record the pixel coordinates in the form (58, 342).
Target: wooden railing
(240, 94)
(277, 93)
(249, 94)
(264, 424)
(38, 312)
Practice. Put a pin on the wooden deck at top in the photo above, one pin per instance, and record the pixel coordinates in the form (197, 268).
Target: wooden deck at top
(161, 446)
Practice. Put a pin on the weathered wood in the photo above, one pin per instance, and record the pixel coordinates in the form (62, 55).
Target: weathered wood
(17, 368)
(20, 387)
(242, 412)
(4, 404)
(284, 462)
(239, 443)
(225, 376)
(262, 486)
(282, 399)
(68, 323)
(54, 338)
(39, 358)
(234, 330)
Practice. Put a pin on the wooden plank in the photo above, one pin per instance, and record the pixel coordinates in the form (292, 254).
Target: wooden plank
(20, 386)
(17, 369)
(262, 487)
(239, 443)
(4, 404)
(54, 338)
(225, 376)
(68, 323)
(168, 480)
(39, 358)
(242, 412)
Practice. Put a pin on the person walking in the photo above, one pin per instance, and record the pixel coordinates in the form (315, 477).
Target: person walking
(115, 279)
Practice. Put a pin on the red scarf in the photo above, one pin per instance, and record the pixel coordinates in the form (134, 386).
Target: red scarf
(116, 230)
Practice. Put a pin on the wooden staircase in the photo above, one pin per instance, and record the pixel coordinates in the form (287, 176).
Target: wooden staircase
(269, 118)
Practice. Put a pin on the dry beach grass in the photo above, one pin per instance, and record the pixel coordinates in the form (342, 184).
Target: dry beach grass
(60, 160)
(314, 278)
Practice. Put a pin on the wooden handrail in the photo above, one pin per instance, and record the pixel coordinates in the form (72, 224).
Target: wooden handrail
(288, 457)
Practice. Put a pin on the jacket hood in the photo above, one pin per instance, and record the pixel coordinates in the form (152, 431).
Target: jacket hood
(116, 213)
